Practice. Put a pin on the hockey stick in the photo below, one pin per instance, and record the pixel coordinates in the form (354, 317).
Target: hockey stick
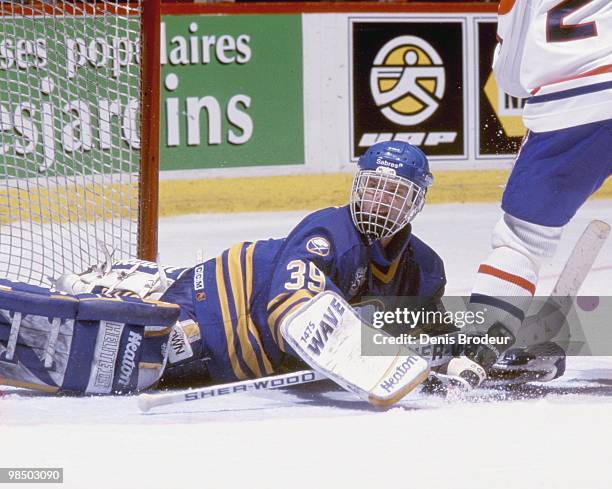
(549, 320)
(149, 401)
(581, 259)
(146, 402)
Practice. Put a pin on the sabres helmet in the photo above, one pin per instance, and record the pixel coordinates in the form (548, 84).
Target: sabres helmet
(389, 188)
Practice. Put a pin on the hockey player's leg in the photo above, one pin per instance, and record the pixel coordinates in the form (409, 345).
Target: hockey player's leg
(537, 357)
(83, 344)
(553, 176)
(506, 281)
(503, 291)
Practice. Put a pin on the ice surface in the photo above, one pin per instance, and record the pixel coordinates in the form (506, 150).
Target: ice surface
(552, 436)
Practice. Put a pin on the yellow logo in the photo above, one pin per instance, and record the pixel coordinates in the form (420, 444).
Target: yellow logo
(508, 109)
(407, 80)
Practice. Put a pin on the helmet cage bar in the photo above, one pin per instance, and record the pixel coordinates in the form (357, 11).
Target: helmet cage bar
(383, 203)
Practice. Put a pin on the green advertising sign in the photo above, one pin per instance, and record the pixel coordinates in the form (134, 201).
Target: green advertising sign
(69, 97)
(231, 91)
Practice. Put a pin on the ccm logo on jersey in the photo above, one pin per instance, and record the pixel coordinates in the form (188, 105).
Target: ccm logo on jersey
(198, 277)
(400, 371)
(318, 245)
(316, 336)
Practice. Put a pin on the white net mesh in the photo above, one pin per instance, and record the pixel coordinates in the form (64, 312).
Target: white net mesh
(69, 135)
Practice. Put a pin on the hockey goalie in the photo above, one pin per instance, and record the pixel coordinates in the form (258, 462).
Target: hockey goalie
(123, 327)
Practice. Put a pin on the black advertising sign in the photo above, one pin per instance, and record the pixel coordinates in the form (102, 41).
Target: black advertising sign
(500, 126)
(408, 83)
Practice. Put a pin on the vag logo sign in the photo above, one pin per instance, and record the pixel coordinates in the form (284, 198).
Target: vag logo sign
(407, 80)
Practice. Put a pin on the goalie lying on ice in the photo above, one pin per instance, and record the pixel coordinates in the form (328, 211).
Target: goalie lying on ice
(245, 314)
(230, 308)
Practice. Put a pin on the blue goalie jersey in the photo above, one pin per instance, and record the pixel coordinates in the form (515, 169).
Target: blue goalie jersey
(240, 298)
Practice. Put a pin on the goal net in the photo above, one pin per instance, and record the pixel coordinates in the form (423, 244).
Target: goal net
(70, 135)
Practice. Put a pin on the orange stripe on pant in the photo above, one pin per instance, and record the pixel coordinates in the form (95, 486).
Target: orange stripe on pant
(508, 277)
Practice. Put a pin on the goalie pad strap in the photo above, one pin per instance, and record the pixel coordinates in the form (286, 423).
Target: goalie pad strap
(12, 341)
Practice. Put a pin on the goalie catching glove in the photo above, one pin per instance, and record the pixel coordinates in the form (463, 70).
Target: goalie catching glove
(83, 343)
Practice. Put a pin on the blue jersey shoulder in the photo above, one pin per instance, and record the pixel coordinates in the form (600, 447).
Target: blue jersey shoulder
(332, 223)
(329, 217)
(433, 276)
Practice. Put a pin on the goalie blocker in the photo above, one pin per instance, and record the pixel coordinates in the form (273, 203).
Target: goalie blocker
(326, 334)
(85, 343)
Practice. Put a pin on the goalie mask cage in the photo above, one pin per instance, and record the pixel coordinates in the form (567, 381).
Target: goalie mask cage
(79, 134)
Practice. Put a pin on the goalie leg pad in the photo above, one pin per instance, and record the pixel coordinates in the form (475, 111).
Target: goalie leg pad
(326, 333)
(83, 344)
